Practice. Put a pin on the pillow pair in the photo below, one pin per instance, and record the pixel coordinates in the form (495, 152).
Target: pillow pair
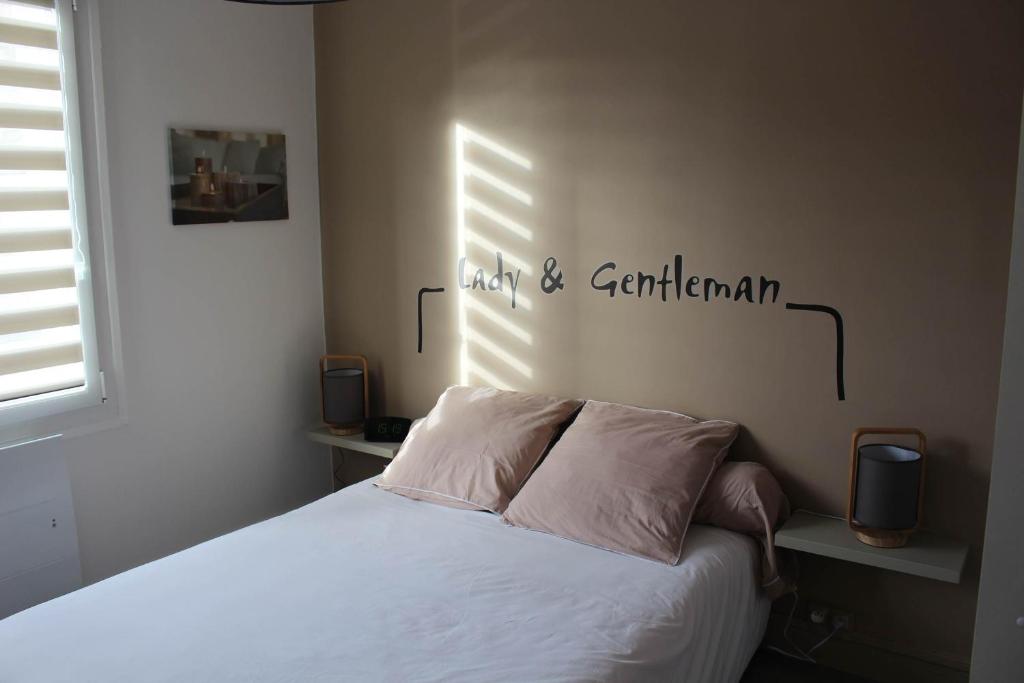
(622, 478)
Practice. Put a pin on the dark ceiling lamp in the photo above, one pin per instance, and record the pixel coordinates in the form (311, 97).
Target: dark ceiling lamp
(286, 2)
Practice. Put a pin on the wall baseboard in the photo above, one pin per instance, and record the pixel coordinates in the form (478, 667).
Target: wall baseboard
(865, 657)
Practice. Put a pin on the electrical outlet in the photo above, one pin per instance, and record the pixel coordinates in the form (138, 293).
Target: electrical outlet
(817, 613)
(842, 620)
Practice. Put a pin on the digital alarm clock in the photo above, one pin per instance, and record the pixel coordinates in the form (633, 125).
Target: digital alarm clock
(393, 429)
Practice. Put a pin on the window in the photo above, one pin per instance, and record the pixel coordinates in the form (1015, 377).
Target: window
(48, 354)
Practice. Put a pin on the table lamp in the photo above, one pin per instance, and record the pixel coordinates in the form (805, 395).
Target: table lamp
(886, 488)
(344, 394)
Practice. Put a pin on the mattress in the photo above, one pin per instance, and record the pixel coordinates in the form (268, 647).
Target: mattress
(366, 585)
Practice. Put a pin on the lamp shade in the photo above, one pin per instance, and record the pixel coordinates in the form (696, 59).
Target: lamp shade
(888, 485)
(343, 396)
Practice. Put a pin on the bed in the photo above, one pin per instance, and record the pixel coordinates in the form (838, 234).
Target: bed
(365, 585)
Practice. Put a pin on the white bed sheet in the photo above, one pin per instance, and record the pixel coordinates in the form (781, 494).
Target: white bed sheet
(366, 585)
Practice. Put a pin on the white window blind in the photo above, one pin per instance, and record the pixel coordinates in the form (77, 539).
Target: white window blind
(47, 338)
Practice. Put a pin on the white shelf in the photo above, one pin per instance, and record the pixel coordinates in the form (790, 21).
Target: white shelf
(354, 442)
(925, 554)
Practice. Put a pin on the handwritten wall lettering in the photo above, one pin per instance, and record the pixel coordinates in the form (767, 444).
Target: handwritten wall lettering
(677, 283)
(671, 281)
(551, 281)
(497, 281)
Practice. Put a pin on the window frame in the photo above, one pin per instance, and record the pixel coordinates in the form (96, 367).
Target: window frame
(32, 415)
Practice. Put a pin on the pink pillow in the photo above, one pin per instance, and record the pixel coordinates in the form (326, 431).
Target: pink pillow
(624, 479)
(745, 497)
(476, 447)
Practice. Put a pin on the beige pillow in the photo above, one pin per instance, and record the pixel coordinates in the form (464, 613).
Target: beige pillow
(476, 447)
(624, 479)
(745, 497)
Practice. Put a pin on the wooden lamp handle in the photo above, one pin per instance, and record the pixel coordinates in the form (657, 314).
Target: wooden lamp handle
(366, 383)
(877, 431)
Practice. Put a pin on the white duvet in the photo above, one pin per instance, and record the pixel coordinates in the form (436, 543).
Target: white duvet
(365, 585)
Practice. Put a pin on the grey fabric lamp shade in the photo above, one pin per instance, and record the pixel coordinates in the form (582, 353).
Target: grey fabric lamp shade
(888, 485)
(343, 396)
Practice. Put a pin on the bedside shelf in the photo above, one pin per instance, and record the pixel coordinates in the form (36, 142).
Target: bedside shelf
(924, 555)
(354, 442)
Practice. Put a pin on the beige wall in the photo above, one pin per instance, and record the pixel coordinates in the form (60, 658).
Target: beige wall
(860, 153)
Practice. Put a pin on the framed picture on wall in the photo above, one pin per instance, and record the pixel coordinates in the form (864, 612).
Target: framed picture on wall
(222, 176)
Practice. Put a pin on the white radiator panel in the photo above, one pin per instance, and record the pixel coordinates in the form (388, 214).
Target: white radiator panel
(38, 539)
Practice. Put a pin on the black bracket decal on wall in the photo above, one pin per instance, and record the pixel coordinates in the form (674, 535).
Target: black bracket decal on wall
(840, 384)
(419, 314)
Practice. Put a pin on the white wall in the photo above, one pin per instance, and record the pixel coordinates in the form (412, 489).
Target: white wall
(998, 640)
(221, 324)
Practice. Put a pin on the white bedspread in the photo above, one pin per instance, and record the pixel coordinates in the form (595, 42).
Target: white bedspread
(366, 585)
